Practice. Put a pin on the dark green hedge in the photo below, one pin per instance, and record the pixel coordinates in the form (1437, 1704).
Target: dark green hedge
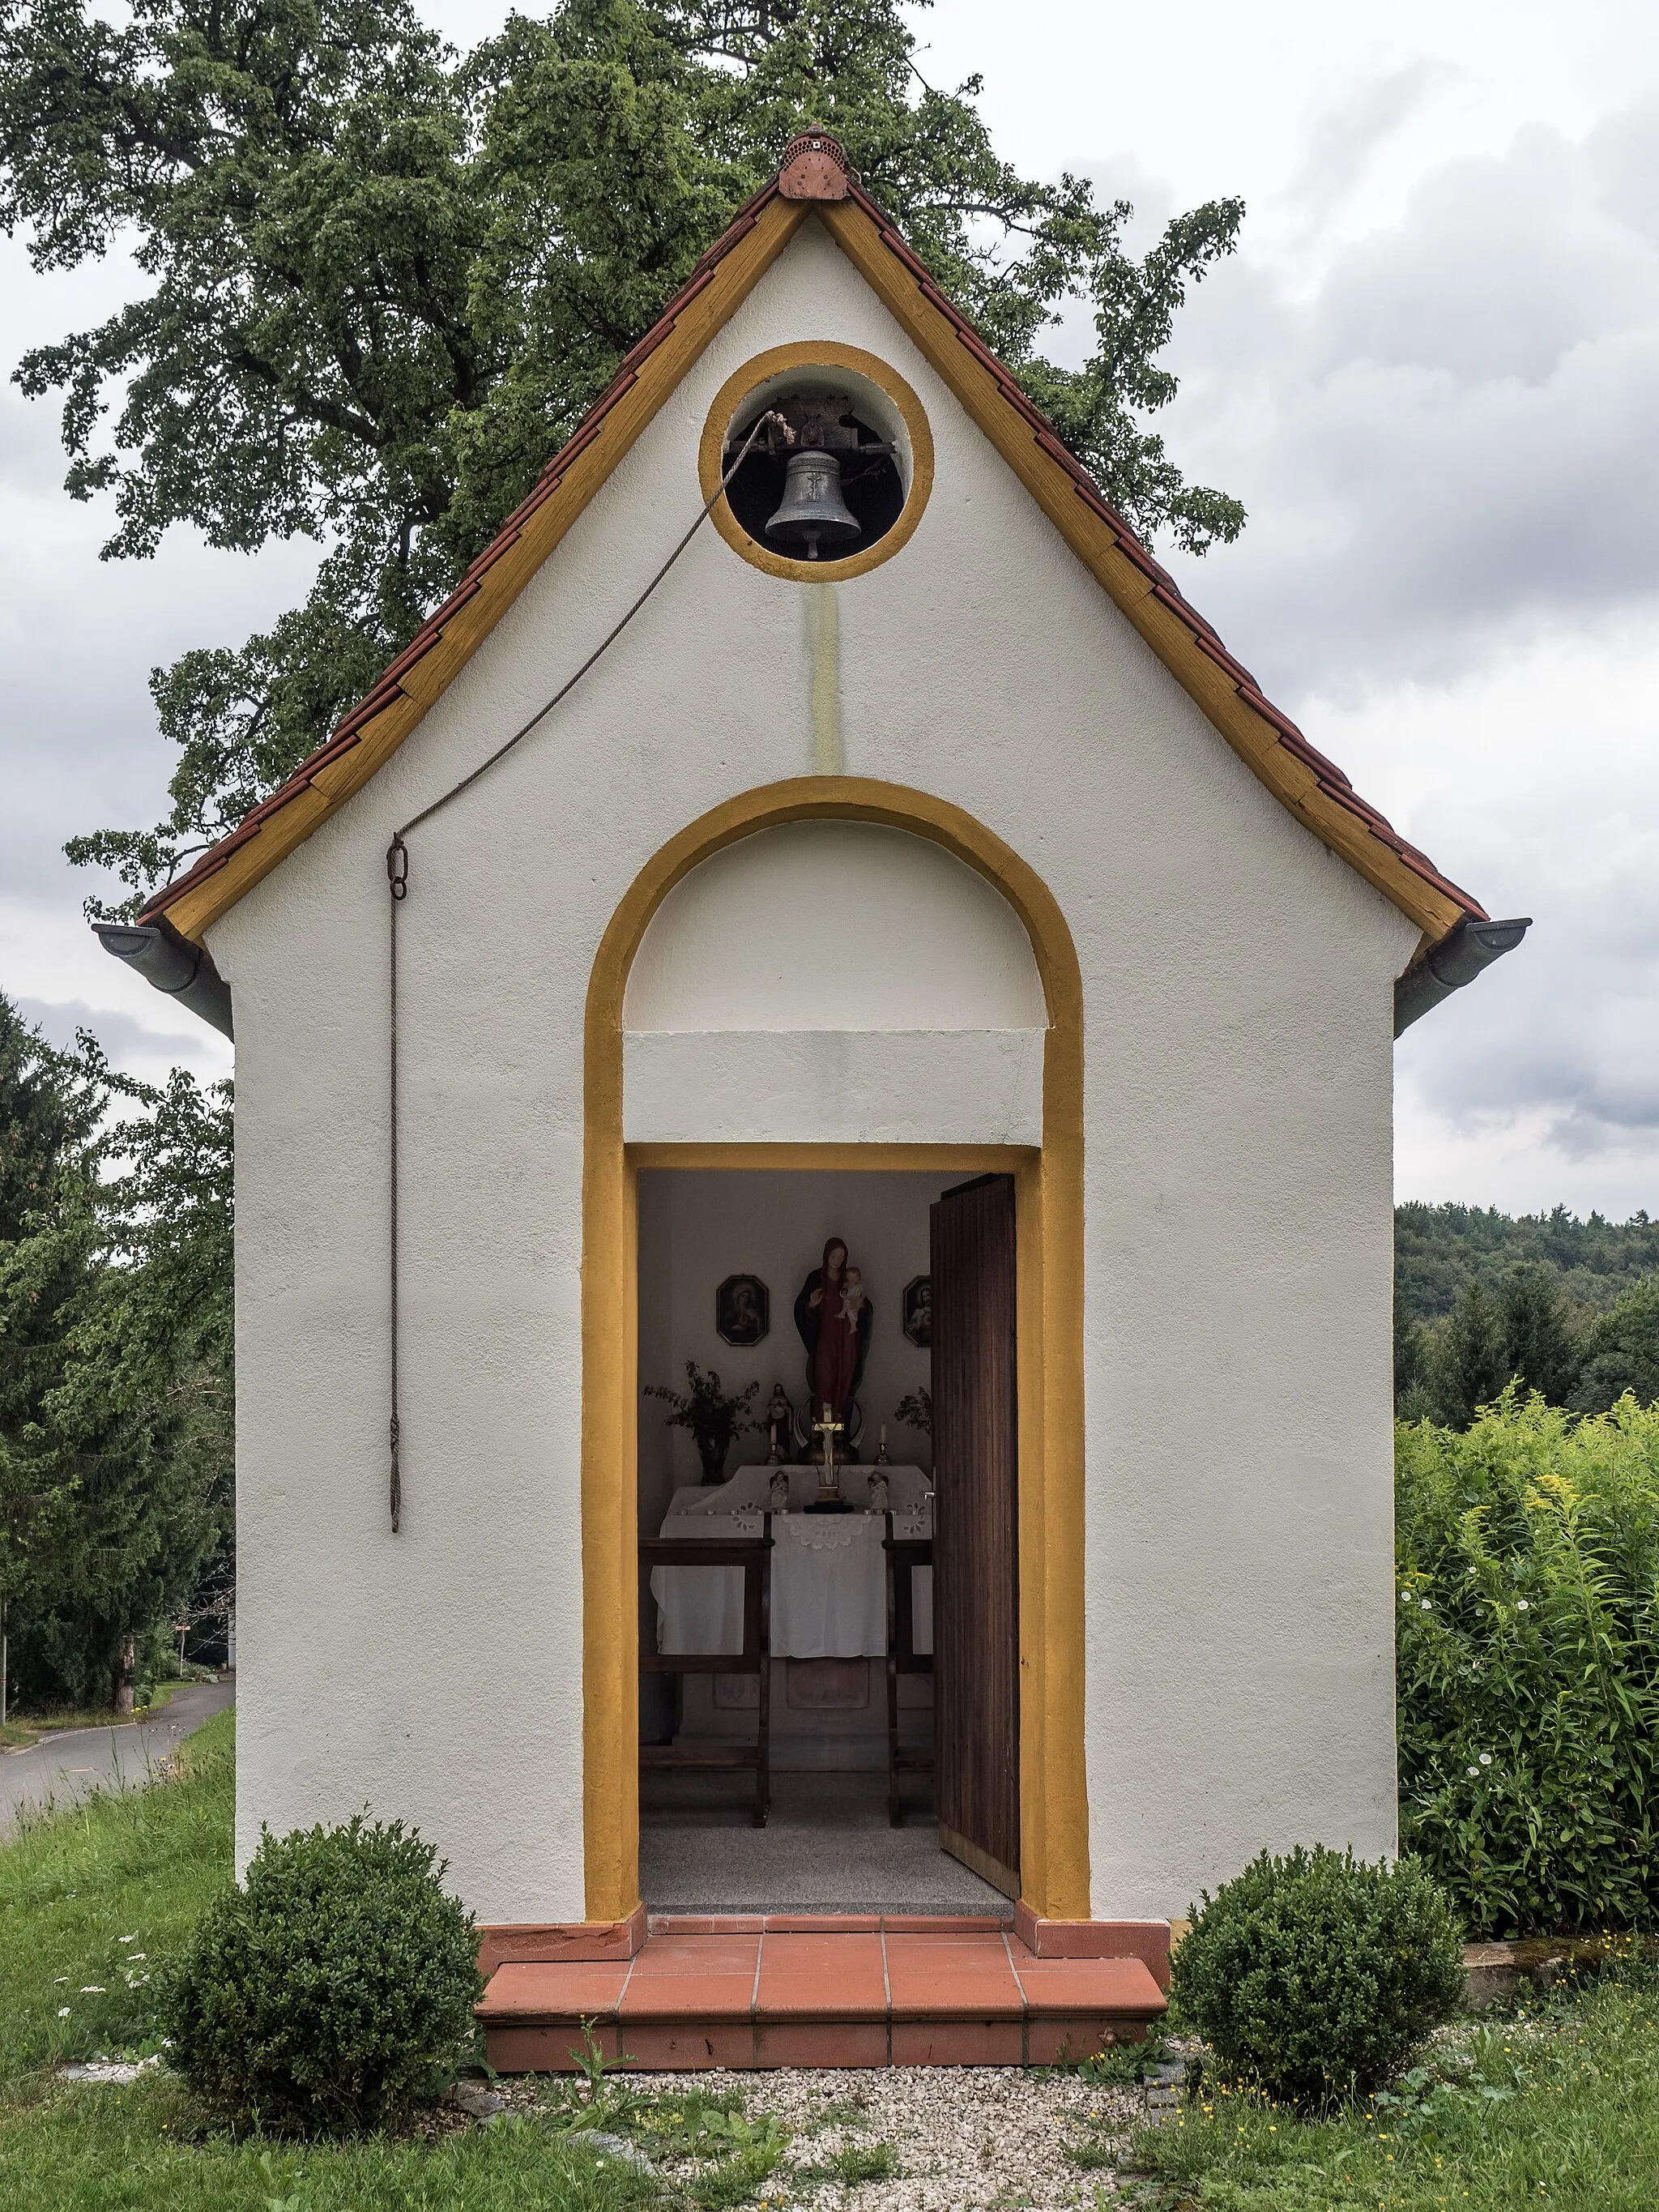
(1528, 1554)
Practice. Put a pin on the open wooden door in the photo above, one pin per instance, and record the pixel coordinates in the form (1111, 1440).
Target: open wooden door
(975, 1530)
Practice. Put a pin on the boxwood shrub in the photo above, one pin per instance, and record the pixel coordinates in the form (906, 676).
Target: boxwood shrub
(1314, 1978)
(325, 1993)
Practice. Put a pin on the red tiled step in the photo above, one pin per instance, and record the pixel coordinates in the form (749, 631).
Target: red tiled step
(818, 1992)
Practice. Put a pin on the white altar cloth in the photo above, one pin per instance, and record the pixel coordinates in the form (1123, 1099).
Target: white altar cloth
(828, 1573)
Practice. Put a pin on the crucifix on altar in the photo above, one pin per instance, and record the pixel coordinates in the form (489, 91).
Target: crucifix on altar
(828, 1497)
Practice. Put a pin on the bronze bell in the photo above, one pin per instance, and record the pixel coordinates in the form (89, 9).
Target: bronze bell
(812, 508)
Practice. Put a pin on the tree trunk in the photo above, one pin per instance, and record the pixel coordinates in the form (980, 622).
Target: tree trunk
(124, 1666)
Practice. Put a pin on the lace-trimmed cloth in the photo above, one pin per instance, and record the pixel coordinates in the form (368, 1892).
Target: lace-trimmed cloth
(828, 1586)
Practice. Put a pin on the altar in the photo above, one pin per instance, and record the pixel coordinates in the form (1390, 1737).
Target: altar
(828, 1585)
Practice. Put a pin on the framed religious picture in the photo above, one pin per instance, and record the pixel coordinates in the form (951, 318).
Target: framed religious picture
(918, 1311)
(743, 1310)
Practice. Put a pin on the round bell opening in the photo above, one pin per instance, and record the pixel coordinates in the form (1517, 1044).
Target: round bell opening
(813, 502)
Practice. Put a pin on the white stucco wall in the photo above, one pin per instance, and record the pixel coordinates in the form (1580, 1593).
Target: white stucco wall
(833, 983)
(834, 926)
(1237, 1012)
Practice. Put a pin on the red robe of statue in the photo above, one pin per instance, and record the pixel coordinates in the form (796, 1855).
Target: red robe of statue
(836, 1357)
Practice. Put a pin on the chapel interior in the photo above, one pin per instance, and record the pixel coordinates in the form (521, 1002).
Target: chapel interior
(829, 1842)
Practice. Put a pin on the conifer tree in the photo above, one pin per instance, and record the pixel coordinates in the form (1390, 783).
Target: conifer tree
(1538, 1347)
(114, 1362)
(1618, 1351)
(1411, 1344)
(1470, 1363)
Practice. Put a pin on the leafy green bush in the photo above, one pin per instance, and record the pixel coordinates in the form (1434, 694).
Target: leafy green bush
(1313, 1978)
(320, 1996)
(1527, 1646)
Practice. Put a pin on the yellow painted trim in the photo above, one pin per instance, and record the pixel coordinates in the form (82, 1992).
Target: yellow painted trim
(780, 360)
(943, 1159)
(1053, 1788)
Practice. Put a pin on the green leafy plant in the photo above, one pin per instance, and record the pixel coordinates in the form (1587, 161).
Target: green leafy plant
(915, 1411)
(1314, 1978)
(1528, 1660)
(1124, 2065)
(852, 2164)
(713, 1417)
(322, 1996)
(280, 2179)
(741, 2153)
(592, 2063)
(859, 2162)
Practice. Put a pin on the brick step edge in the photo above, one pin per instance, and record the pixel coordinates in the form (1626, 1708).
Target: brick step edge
(690, 2045)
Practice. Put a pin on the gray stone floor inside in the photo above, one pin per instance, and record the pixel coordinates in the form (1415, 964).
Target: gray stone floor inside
(827, 1847)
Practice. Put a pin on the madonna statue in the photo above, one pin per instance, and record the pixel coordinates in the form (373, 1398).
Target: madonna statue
(835, 1319)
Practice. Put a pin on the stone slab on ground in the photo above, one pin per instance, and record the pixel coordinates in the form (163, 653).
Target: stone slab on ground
(827, 1847)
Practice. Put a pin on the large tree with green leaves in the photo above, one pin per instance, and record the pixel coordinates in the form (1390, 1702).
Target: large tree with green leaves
(383, 281)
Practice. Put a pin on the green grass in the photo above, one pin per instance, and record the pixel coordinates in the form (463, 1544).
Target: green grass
(1558, 2106)
(138, 2150)
(142, 1865)
(859, 2162)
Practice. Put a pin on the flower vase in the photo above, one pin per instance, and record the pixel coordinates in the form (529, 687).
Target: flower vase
(713, 1456)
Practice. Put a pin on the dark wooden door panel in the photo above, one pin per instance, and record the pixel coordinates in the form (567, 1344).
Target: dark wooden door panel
(976, 1530)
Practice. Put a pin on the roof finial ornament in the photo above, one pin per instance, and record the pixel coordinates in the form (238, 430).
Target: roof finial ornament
(814, 168)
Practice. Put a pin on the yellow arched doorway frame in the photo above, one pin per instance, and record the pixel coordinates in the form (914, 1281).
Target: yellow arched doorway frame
(1053, 1798)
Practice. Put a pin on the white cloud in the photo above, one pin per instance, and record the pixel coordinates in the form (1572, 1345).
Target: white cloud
(132, 1045)
(1451, 578)
(1451, 432)
(1531, 779)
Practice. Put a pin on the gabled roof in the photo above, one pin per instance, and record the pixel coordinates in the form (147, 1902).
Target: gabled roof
(814, 184)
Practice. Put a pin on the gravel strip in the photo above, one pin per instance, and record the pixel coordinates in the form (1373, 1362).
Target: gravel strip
(967, 2138)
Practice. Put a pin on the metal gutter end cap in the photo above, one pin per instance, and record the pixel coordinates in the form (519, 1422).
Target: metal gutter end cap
(170, 963)
(1455, 962)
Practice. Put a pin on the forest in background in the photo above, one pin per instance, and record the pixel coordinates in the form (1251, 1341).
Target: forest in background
(1437, 1247)
(1566, 1306)
(116, 1391)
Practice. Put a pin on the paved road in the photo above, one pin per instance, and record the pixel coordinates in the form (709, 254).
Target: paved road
(70, 1764)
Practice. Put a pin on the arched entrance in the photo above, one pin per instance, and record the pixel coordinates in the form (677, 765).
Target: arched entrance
(1053, 1803)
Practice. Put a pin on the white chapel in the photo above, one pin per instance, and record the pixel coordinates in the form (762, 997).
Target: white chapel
(813, 1101)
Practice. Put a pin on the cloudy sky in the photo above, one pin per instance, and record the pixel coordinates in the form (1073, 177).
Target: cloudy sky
(1431, 373)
